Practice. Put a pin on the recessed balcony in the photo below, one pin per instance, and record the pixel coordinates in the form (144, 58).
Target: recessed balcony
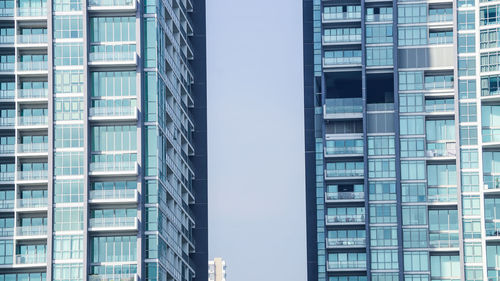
(33, 259)
(33, 148)
(440, 107)
(32, 39)
(7, 122)
(105, 55)
(6, 232)
(344, 196)
(6, 177)
(7, 95)
(7, 149)
(31, 231)
(7, 39)
(345, 219)
(6, 12)
(8, 67)
(32, 12)
(442, 195)
(344, 170)
(32, 94)
(33, 121)
(441, 150)
(32, 203)
(342, 16)
(444, 240)
(6, 205)
(32, 176)
(344, 108)
(346, 265)
(30, 67)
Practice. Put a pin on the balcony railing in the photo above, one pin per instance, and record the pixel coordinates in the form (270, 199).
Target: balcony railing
(116, 194)
(438, 82)
(7, 121)
(6, 177)
(491, 135)
(32, 65)
(440, 107)
(31, 258)
(7, 39)
(127, 166)
(378, 17)
(492, 229)
(7, 148)
(32, 38)
(32, 175)
(33, 147)
(344, 150)
(113, 222)
(342, 106)
(6, 232)
(442, 194)
(341, 242)
(7, 94)
(113, 111)
(346, 265)
(111, 3)
(335, 219)
(330, 196)
(340, 173)
(33, 93)
(342, 16)
(491, 181)
(32, 203)
(7, 204)
(113, 277)
(440, 18)
(443, 240)
(32, 12)
(342, 38)
(7, 66)
(342, 60)
(33, 120)
(111, 56)
(440, 40)
(32, 230)
(6, 12)
(444, 149)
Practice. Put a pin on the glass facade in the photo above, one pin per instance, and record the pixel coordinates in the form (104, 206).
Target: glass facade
(402, 139)
(102, 140)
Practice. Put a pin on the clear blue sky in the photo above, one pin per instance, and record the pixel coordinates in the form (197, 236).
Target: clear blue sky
(256, 146)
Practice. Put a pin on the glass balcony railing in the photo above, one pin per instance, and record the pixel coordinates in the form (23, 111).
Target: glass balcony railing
(6, 12)
(6, 177)
(112, 111)
(345, 169)
(342, 38)
(7, 148)
(7, 94)
(6, 39)
(442, 194)
(33, 147)
(97, 56)
(440, 40)
(378, 17)
(335, 219)
(342, 106)
(347, 150)
(116, 194)
(492, 229)
(7, 204)
(438, 82)
(32, 175)
(346, 265)
(347, 60)
(7, 66)
(32, 38)
(33, 93)
(32, 203)
(113, 222)
(111, 3)
(32, 230)
(434, 106)
(6, 232)
(112, 277)
(491, 135)
(330, 196)
(345, 242)
(7, 121)
(32, 12)
(441, 149)
(342, 16)
(124, 166)
(443, 240)
(440, 17)
(32, 65)
(491, 181)
(345, 173)
(33, 120)
(31, 258)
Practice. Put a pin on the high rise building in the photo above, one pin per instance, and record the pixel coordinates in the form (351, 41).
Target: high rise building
(103, 140)
(402, 122)
(217, 270)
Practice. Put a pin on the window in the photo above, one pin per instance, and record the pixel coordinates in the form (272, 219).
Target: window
(381, 168)
(466, 43)
(440, 37)
(6, 251)
(470, 182)
(347, 278)
(467, 66)
(466, 20)
(442, 175)
(414, 215)
(381, 145)
(68, 26)
(68, 163)
(471, 205)
(68, 272)
(348, 34)
(412, 170)
(383, 213)
(416, 261)
(473, 253)
(380, 33)
(68, 247)
(440, 130)
(472, 228)
(443, 220)
(490, 85)
(411, 80)
(385, 276)
(489, 38)
(468, 135)
(112, 29)
(468, 112)
(68, 81)
(383, 236)
(467, 89)
(415, 238)
(379, 56)
(411, 125)
(114, 138)
(469, 159)
(414, 147)
(416, 277)
(68, 136)
(67, 5)
(490, 61)
(346, 260)
(68, 54)
(70, 108)
(68, 219)
(342, 57)
(384, 259)
(413, 192)
(412, 13)
(489, 15)
(110, 84)
(445, 267)
(377, 14)
(68, 191)
(382, 191)
(412, 35)
(473, 273)
(113, 249)
(409, 103)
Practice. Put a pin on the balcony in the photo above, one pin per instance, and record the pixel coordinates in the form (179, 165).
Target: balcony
(32, 203)
(378, 17)
(113, 55)
(6, 177)
(439, 82)
(344, 151)
(6, 122)
(444, 240)
(32, 66)
(38, 12)
(345, 242)
(111, 5)
(7, 66)
(7, 39)
(491, 181)
(491, 135)
(113, 277)
(440, 40)
(7, 149)
(113, 223)
(493, 229)
(345, 170)
(342, 58)
(33, 148)
(6, 204)
(442, 194)
(33, 121)
(347, 108)
(439, 107)
(7, 95)
(438, 150)
(32, 259)
(346, 265)
(342, 16)
(116, 195)
(344, 196)
(116, 112)
(7, 232)
(113, 168)
(35, 39)
(31, 94)
(345, 219)
(31, 230)
(6, 12)
(439, 17)
(41, 175)
(339, 37)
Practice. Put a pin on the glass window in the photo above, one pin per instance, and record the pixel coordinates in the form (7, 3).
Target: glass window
(68, 163)
(412, 170)
(440, 130)
(114, 138)
(382, 191)
(414, 147)
(442, 175)
(469, 159)
(383, 236)
(467, 89)
(112, 29)
(68, 219)
(66, 136)
(68, 191)
(67, 5)
(384, 259)
(416, 261)
(445, 267)
(412, 13)
(468, 112)
(409, 103)
(68, 26)
(379, 56)
(380, 33)
(383, 213)
(473, 253)
(67, 247)
(467, 66)
(68, 54)
(466, 20)
(470, 182)
(471, 205)
(414, 215)
(68, 272)
(412, 35)
(473, 273)
(383, 145)
(382, 168)
(411, 125)
(68, 81)
(113, 249)
(413, 192)
(69, 108)
(466, 43)
(415, 238)
(472, 228)
(468, 135)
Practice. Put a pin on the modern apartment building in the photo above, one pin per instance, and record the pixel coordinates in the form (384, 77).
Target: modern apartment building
(217, 270)
(402, 122)
(103, 140)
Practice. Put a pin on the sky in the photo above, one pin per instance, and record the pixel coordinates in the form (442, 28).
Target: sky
(256, 139)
